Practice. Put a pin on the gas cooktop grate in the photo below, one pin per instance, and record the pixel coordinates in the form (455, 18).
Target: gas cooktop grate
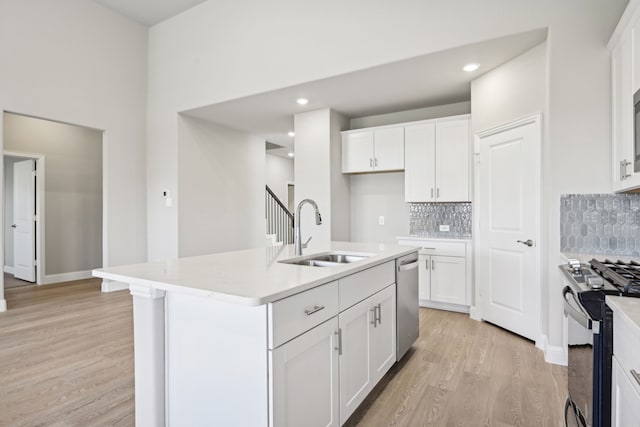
(624, 275)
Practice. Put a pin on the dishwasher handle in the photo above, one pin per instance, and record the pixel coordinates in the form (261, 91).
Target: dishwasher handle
(409, 266)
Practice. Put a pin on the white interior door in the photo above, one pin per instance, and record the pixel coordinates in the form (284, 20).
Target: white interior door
(24, 231)
(508, 205)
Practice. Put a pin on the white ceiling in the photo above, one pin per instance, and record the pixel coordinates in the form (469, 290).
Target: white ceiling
(429, 80)
(149, 12)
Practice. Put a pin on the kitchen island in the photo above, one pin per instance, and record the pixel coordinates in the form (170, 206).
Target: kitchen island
(242, 338)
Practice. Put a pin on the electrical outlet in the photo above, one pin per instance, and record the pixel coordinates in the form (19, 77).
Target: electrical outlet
(381, 220)
(444, 227)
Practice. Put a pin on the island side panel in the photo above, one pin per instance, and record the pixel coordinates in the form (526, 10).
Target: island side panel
(149, 356)
(217, 363)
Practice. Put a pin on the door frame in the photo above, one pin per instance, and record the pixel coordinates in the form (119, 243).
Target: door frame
(40, 208)
(476, 309)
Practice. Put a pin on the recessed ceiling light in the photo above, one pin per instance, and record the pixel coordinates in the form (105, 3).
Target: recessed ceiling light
(471, 67)
(302, 101)
(290, 154)
(291, 133)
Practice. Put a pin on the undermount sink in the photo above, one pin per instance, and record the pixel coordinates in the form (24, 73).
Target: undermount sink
(327, 259)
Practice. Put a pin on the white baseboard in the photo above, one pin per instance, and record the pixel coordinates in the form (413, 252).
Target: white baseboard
(66, 277)
(113, 286)
(474, 313)
(3, 305)
(8, 269)
(444, 306)
(553, 354)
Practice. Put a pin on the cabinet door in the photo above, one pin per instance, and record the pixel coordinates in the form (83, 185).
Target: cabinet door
(448, 279)
(389, 149)
(383, 334)
(357, 152)
(625, 401)
(304, 379)
(419, 163)
(452, 161)
(424, 277)
(622, 114)
(355, 360)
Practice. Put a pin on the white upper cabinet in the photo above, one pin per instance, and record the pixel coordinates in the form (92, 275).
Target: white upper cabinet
(373, 150)
(419, 163)
(625, 81)
(437, 161)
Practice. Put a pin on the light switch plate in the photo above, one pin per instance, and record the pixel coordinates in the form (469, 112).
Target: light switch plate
(444, 227)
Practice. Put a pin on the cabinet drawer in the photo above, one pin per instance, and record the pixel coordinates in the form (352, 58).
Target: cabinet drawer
(289, 317)
(434, 247)
(626, 346)
(363, 284)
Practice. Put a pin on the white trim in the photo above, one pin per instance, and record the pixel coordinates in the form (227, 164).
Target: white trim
(474, 313)
(553, 354)
(412, 123)
(444, 306)
(631, 13)
(40, 208)
(113, 286)
(8, 269)
(66, 277)
(532, 119)
(3, 305)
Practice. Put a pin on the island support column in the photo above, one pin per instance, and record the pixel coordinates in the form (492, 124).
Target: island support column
(148, 338)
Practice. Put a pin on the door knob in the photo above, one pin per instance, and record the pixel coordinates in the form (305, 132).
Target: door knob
(14, 225)
(528, 242)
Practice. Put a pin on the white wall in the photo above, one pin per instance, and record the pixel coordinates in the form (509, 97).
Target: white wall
(192, 64)
(375, 195)
(426, 113)
(512, 91)
(76, 62)
(279, 171)
(73, 189)
(340, 183)
(312, 172)
(222, 175)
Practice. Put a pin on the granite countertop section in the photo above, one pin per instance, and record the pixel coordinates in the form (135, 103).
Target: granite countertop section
(628, 307)
(585, 258)
(250, 277)
(439, 239)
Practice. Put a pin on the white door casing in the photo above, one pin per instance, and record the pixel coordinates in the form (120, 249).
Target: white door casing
(24, 234)
(508, 200)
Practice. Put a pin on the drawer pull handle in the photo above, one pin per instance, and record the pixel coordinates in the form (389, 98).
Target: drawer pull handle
(636, 376)
(374, 322)
(315, 309)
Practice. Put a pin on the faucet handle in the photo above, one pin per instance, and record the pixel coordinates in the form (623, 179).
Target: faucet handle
(304, 245)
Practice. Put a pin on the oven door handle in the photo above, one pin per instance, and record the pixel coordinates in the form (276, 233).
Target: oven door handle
(576, 314)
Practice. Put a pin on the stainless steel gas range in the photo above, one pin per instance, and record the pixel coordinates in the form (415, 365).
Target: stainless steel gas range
(590, 335)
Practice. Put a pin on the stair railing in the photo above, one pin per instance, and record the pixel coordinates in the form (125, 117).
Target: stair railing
(279, 219)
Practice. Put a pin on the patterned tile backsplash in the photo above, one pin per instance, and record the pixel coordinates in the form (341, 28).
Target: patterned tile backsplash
(425, 219)
(600, 224)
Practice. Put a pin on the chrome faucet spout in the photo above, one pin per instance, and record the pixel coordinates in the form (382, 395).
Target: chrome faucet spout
(298, 234)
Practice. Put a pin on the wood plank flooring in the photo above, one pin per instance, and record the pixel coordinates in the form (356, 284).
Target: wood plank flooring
(466, 373)
(66, 359)
(66, 356)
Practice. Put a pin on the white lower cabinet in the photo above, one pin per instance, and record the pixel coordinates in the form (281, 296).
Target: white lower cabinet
(368, 347)
(304, 385)
(448, 279)
(625, 400)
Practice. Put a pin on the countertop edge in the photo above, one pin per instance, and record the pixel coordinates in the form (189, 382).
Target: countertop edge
(628, 307)
(248, 300)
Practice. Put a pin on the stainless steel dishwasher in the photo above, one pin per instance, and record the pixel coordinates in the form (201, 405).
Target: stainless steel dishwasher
(407, 322)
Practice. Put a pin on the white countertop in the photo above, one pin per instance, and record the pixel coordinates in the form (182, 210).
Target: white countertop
(437, 239)
(629, 307)
(249, 277)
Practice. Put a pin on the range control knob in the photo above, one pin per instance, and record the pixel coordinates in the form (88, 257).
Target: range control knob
(595, 282)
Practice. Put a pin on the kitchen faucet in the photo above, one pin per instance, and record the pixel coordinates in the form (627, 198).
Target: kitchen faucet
(298, 234)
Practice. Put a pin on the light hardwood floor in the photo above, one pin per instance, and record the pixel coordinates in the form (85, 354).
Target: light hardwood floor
(66, 359)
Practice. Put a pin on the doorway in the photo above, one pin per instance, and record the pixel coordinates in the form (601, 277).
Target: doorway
(23, 208)
(69, 234)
